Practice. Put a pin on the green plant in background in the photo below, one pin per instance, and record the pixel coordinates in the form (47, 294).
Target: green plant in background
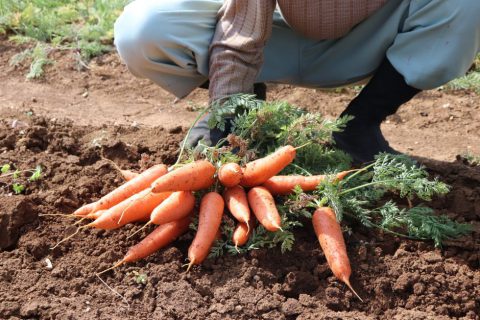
(471, 81)
(471, 158)
(84, 26)
(17, 179)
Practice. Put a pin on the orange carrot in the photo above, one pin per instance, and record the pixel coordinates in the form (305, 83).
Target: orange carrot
(191, 177)
(210, 218)
(135, 208)
(84, 210)
(263, 206)
(137, 184)
(282, 185)
(241, 234)
(178, 205)
(95, 215)
(331, 240)
(159, 238)
(237, 203)
(230, 174)
(257, 172)
(128, 175)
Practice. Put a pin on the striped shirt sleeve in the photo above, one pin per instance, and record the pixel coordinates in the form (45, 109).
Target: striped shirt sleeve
(236, 51)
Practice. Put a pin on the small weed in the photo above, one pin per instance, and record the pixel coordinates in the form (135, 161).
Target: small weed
(472, 159)
(18, 180)
(140, 278)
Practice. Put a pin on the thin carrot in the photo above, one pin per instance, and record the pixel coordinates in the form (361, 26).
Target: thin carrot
(331, 240)
(282, 185)
(210, 218)
(159, 238)
(137, 184)
(237, 203)
(257, 172)
(241, 234)
(263, 206)
(135, 208)
(230, 174)
(191, 177)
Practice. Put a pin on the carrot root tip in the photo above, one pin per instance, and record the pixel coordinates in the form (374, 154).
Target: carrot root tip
(351, 288)
(70, 215)
(146, 225)
(190, 265)
(116, 265)
(79, 221)
(67, 238)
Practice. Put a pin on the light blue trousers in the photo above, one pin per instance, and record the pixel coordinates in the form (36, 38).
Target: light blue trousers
(430, 42)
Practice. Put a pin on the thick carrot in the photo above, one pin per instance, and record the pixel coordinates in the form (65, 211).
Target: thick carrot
(263, 206)
(210, 218)
(257, 172)
(135, 208)
(241, 234)
(237, 203)
(282, 185)
(125, 191)
(331, 240)
(191, 177)
(230, 174)
(178, 205)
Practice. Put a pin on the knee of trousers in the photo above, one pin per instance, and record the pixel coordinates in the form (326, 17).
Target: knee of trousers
(140, 32)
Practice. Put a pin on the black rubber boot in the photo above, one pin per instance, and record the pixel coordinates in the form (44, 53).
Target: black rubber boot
(362, 139)
(211, 137)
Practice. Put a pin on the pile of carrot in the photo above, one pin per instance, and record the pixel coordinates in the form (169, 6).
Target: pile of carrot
(167, 198)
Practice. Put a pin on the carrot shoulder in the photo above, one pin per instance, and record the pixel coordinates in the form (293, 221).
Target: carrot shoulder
(230, 174)
(257, 172)
(191, 177)
(210, 218)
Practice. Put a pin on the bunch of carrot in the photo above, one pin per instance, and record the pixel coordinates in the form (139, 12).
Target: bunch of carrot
(166, 198)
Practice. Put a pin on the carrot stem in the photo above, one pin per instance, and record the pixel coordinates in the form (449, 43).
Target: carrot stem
(303, 145)
(184, 143)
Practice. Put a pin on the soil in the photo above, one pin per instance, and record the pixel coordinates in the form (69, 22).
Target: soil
(68, 120)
